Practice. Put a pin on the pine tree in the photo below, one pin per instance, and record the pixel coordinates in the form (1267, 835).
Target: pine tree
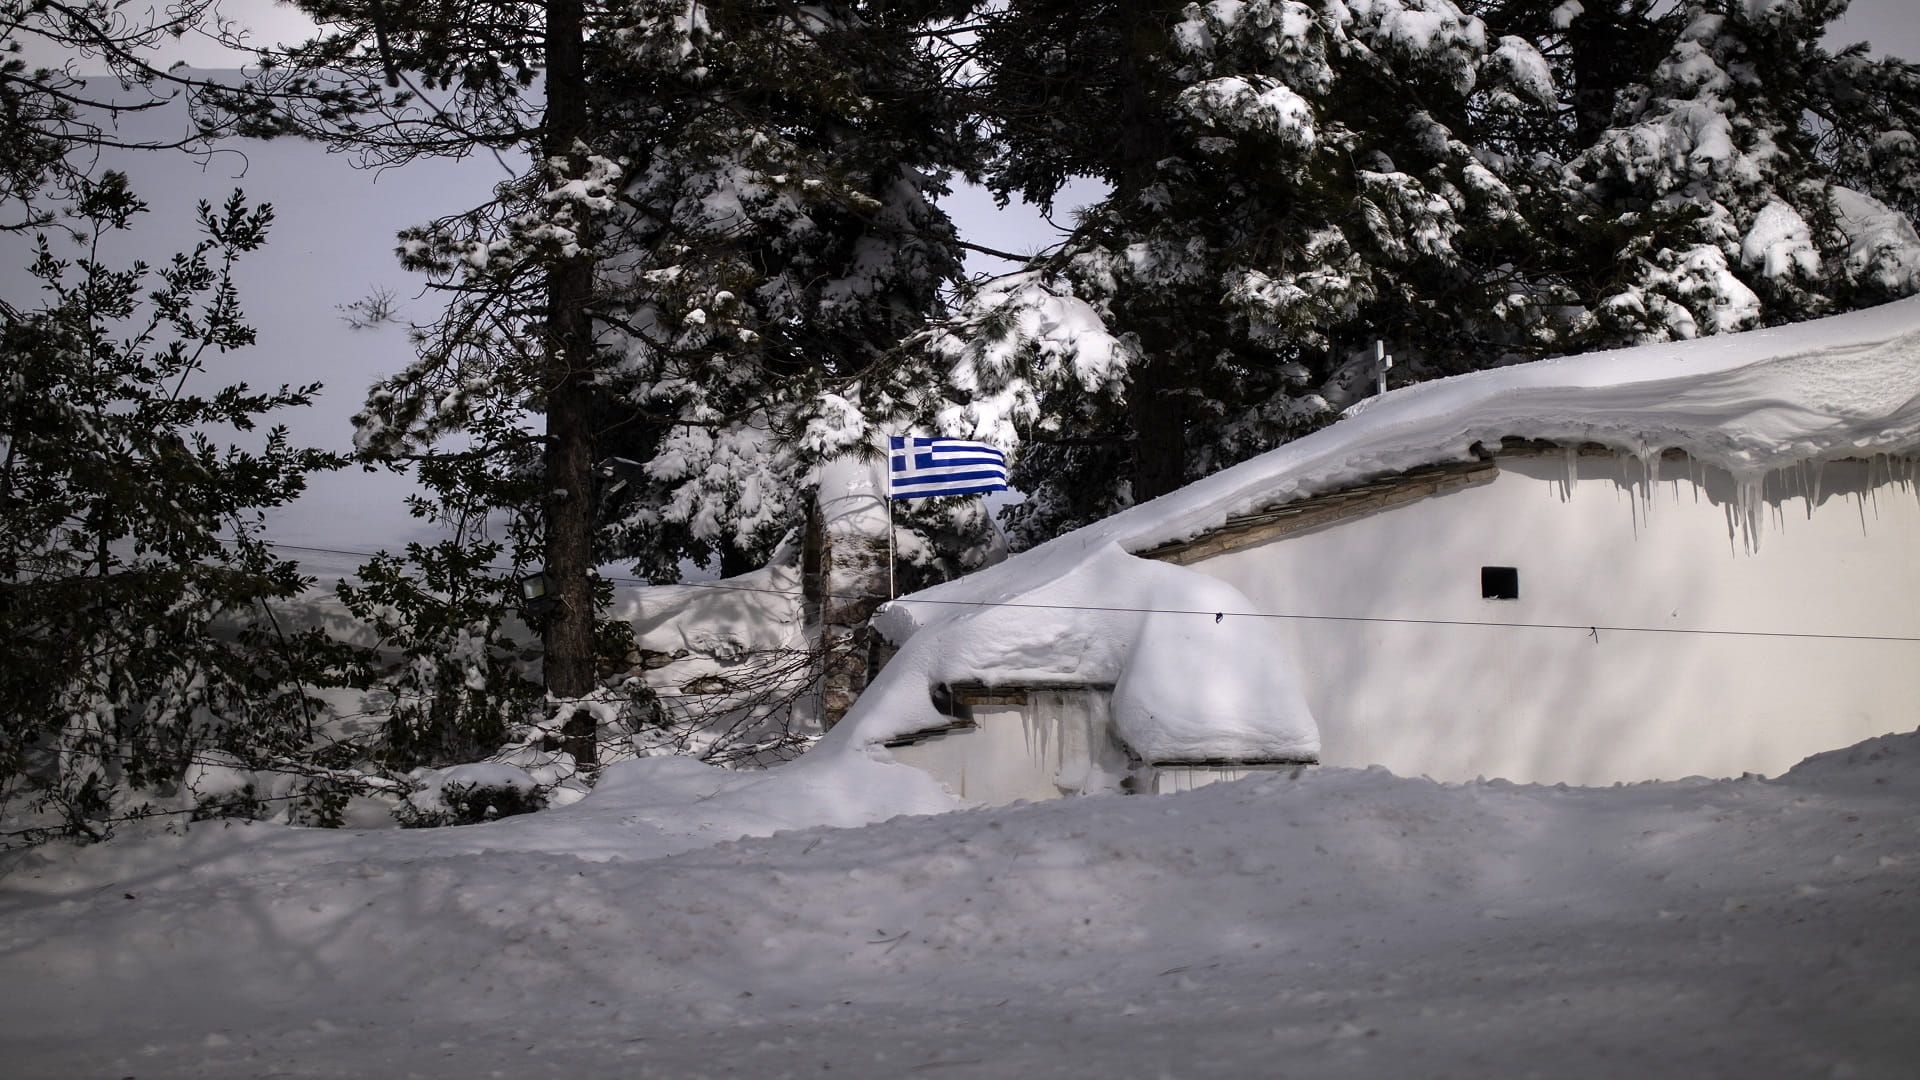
(726, 227)
(398, 80)
(777, 239)
(1474, 184)
(1711, 203)
(1290, 181)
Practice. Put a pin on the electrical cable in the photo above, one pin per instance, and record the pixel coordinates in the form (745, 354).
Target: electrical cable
(1582, 627)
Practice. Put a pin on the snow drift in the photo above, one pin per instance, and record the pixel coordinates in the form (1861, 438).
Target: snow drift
(1347, 922)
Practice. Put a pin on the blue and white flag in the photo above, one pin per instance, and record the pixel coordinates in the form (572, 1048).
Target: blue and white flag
(919, 468)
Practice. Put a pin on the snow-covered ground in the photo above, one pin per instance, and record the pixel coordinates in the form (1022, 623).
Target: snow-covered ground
(1341, 923)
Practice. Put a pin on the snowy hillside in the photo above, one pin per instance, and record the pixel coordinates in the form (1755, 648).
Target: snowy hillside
(1345, 923)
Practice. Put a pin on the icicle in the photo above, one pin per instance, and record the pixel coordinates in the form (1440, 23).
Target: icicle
(1873, 489)
(1748, 504)
(1818, 468)
(1649, 457)
(1636, 509)
(1041, 721)
(1572, 476)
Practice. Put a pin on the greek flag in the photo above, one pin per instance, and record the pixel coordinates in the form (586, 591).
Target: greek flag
(920, 468)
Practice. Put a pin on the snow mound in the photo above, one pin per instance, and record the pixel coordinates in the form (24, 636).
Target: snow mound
(1198, 687)
(1889, 764)
(1348, 920)
(655, 806)
(1188, 683)
(1882, 245)
(717, 621)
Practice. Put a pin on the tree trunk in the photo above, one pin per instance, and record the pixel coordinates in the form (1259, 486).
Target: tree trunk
(1158, 409)
(1614, 45)
(568, 636)
(1157, 394)
(569, 539)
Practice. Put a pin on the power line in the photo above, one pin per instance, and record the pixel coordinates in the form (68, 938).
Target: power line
(278, 546)
(1587, 628)
(1582, 627)
(1218, 615)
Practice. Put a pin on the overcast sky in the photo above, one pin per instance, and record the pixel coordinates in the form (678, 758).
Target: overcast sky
(1890, 25)
(333, 243)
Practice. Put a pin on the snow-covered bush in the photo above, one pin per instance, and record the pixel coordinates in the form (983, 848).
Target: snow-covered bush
(443, 668)
(299, 791)
(470, 795)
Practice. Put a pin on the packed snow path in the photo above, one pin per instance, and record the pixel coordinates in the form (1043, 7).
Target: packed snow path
(1339, 924)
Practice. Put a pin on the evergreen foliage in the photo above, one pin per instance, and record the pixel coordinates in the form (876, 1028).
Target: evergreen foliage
(776, 239)
(444, 666)
(701, 279)
(1475, 184)
(444, 659)
(137, 588)
(1291, 182)
(1725, 213)
(57, 118)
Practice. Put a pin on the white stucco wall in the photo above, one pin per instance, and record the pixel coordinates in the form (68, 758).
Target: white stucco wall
(1552, 705)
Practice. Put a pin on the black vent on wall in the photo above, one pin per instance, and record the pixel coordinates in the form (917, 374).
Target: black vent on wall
(1500, 583)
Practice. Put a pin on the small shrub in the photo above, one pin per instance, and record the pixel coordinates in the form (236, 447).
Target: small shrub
(446, 798)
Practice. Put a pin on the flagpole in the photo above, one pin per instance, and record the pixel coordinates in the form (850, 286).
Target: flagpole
(890, 552)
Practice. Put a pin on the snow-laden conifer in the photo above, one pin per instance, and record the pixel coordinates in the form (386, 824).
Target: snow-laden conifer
(696, 285)
(1471, 183)
(1289, 181)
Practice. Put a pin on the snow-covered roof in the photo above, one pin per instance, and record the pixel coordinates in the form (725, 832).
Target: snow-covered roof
(1846, 386)
(1082, 609)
